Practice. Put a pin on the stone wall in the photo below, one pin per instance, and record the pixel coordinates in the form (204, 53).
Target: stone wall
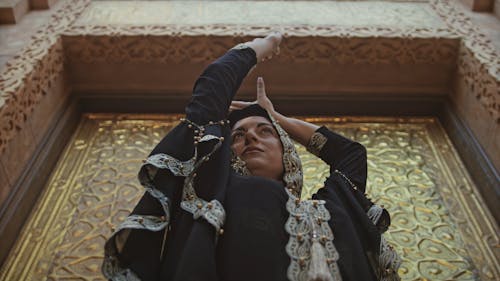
(475, 94)
(496, 8)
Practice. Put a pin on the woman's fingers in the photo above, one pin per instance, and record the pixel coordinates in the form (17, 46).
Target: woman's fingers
(261, 88)
(262, 99)
(237, 103)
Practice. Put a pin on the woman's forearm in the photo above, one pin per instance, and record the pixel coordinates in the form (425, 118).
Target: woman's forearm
(300, 131)
(217, 85)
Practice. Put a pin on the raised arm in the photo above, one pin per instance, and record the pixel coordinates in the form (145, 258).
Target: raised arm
(299, 130)
(217, 85)
(184, 177)
(342, 154)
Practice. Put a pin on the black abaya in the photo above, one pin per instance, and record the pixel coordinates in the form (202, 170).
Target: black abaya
(252, 246)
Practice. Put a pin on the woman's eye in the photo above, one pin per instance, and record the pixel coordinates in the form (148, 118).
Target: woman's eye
(237, 136)
(267, 130)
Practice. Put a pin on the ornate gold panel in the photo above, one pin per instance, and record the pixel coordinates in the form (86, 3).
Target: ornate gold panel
(439, 223)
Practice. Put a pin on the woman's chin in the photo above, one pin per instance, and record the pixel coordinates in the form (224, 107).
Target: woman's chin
(254, 163)
(260, 167)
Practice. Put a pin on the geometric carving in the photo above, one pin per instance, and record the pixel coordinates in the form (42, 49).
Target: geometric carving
(122, 45)
(27, 76)
(479, 60)
(440, 225)
(478, 82)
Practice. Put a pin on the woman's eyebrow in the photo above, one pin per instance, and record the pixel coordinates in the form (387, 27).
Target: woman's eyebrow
(264, 124)
(258, 125)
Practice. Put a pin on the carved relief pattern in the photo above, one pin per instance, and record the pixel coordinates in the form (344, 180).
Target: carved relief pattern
(413, 171)
(28, 75)
(327, 44)
(479, 60)
(24, 83)
(481, 84)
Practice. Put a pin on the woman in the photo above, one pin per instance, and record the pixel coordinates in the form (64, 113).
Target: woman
(222, 197)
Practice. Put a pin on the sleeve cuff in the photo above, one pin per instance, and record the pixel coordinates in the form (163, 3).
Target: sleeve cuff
(316, 143)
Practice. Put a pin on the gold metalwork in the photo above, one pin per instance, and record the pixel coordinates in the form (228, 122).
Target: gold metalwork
(440, 225)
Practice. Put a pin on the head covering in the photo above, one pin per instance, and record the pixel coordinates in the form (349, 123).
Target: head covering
(252, 110)
(291, 160)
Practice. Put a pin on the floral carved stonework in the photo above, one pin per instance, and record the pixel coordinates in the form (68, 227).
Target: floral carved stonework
(326, 45)
(26, 77)
(479, 61)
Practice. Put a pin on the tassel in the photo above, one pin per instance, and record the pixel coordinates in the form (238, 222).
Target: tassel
(374, 213)
(318, 268)
(389, 262)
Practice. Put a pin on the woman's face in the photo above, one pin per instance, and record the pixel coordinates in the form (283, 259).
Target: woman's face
(255, 141)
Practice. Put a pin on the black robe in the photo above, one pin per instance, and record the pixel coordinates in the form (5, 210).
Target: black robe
(252, 246)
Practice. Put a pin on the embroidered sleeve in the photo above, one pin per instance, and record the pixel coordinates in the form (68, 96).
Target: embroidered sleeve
(316, 143)
(341, 153)
(213, 211)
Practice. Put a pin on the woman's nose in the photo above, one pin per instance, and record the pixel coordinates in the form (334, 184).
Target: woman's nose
(250, 136)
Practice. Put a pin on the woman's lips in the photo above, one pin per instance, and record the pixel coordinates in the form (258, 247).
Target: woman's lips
(251, 150)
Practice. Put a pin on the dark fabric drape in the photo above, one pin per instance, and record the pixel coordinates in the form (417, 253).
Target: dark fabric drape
(253, 244)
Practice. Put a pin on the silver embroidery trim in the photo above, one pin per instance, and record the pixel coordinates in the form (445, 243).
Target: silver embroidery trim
(151, 223)
(239, 166)
(112, 271)
(213, 212)
(316, 143)
(111, 268)
(208, 138)
(389, 262)
(303, 217)
(374, 213)
(177, 167)
(293, 176)
(307, 223)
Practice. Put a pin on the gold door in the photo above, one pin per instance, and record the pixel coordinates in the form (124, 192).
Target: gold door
(440, 225)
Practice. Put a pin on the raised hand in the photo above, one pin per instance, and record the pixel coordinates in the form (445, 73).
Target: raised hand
(261, 100)
(266, 47)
